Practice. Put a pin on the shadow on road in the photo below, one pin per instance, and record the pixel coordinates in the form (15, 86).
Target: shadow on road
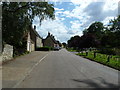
(102, 84)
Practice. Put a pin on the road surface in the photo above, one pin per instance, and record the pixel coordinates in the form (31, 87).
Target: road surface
(63, 69)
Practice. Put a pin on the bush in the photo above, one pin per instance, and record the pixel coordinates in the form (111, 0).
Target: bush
(108, 51)
(19, 51)
(117, 51)
(71, 49)
(46, 48)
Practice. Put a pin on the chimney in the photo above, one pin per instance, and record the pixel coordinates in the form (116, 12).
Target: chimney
(48, 33)
(34, 27)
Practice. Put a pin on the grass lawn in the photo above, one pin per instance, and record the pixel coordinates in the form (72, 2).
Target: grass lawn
(112, 61)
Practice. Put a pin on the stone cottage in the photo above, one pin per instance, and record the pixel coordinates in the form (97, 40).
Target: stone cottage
(39, 42)
(33, 39)
(50, 41)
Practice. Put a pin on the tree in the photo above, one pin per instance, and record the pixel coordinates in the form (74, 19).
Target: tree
(96, 35)
(17, 17)
(88, 40)
(93, 34)
(111, 38)
(59, 43)
(115, 24)
(85, 41)
(64, 44)
(74, 42)
(115, 28)
(97, 29)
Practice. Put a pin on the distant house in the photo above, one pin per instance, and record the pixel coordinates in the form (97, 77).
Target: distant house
(33, 39)
(50, 41)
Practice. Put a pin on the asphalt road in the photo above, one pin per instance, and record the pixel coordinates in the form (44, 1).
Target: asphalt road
(62, 69)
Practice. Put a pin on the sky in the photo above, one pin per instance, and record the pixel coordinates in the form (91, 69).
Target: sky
(73, 16)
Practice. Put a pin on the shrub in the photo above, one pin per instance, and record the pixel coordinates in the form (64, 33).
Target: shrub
(45, 48)
(19, 51)
(117, 51)
(108, 51)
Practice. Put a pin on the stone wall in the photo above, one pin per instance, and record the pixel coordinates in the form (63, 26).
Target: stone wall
(48, 42)
(7, 53)
(39, 42)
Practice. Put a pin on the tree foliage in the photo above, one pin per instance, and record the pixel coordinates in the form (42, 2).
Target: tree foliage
(64, 44)
(90, 37)
(96, 29)
(96, 35)
(111, 37)
(74, 41)
(17, 17)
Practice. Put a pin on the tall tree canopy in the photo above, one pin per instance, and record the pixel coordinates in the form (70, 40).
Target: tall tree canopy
(96, 35)
(115, 24)
(111, 37)
(96, 29)
(18, 16)
(74, 41)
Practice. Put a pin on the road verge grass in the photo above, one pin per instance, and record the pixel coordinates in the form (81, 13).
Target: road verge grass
(108, 60)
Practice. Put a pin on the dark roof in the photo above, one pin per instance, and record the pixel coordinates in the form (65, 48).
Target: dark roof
(52, 37)
(35, 32)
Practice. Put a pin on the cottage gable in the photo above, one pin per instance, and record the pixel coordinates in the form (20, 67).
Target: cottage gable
(33, 39)
(50, 41)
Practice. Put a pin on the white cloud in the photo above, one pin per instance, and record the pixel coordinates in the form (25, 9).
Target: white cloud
(58, 29)
(110, 5)
(107, 19)
(75, 28)
(86, 12)
(78, 2)
(75, 24)
(55, 27)
(57, 9)
(59, 12)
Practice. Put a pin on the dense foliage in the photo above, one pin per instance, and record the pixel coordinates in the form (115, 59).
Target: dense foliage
(64, 44)
(106, 39)
(45, 48)
(18, 16)
(17, 19)
(90, 38)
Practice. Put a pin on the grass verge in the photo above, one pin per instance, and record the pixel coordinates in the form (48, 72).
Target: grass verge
(108, 60)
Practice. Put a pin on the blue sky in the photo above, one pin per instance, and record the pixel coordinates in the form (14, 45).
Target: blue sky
(74, 16)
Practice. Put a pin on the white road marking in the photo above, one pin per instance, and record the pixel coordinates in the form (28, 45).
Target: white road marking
(28, 73)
